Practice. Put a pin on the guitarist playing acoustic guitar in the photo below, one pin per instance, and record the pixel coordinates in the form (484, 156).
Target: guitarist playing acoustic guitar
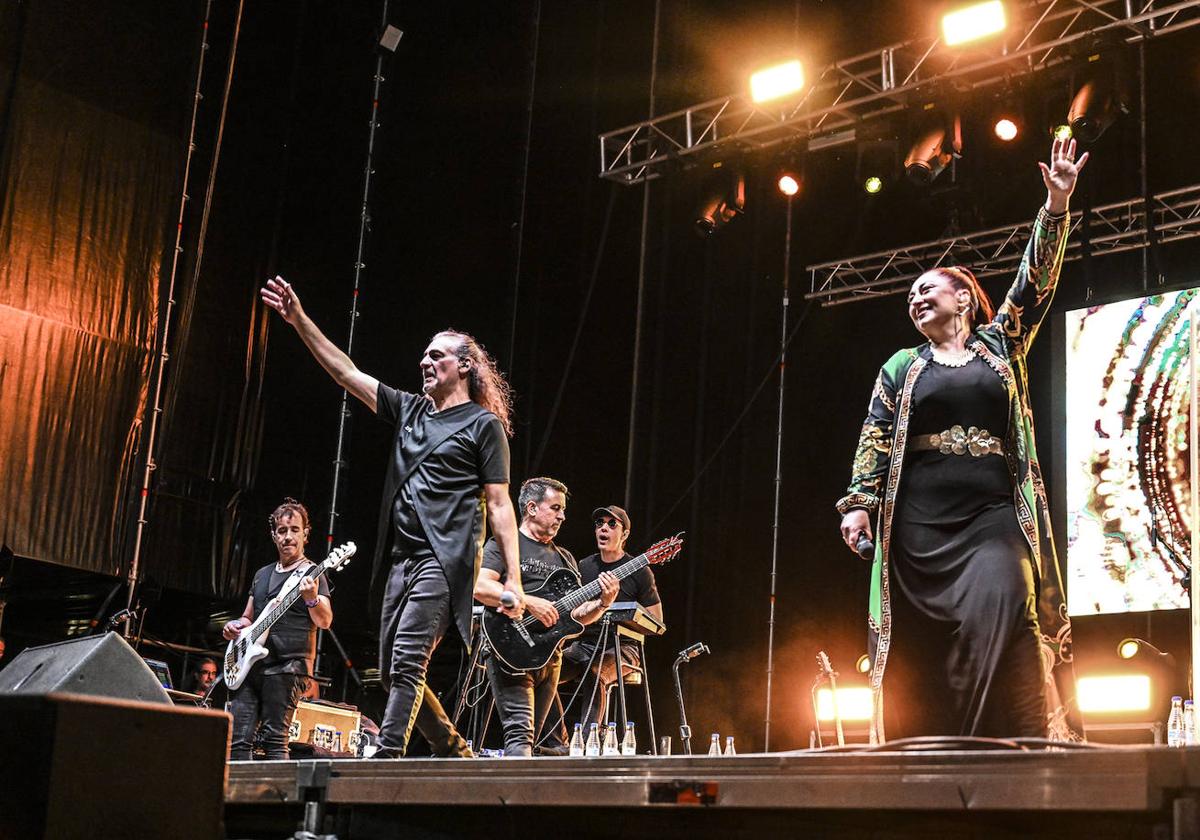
(524, 694)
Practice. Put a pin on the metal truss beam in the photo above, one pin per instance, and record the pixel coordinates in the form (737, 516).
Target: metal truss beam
(1112, 229)
(845, 94)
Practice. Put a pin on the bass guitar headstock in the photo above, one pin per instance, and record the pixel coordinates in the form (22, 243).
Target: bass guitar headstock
(340, 556)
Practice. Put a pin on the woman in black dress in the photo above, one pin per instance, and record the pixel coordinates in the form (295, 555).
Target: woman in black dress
(946, 475)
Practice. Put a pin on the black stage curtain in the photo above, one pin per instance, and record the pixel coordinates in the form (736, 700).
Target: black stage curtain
(90, 154)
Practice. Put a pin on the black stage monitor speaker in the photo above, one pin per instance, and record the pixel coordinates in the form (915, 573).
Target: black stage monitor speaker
(100, 666)
(88, 767)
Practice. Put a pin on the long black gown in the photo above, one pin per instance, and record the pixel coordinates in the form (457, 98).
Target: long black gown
(965, 656)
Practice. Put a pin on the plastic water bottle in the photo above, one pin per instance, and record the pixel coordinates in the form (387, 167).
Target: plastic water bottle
(729, 750)
(629, 742)
(577, 740)
(1189, 724)
(714, 745)
(610, 741)
(593, 741)
(1175, 723)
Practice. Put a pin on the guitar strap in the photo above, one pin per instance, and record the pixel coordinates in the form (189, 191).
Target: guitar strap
(568, 560)
(447, 433)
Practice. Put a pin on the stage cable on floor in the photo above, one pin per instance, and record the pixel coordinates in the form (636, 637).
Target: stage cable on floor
(151, 433)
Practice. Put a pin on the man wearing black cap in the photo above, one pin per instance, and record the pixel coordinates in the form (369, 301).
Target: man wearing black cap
(612, 530)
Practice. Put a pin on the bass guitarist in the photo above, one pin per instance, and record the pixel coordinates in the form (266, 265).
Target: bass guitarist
(272, 689)
(523, 698)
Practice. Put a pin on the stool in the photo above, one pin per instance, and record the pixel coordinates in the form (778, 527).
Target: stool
(638, 674)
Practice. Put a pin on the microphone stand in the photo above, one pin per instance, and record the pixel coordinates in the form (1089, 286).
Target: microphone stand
(350, 669)
(685, 731)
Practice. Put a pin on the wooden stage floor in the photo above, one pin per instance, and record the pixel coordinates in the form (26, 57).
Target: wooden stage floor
(1095, 793)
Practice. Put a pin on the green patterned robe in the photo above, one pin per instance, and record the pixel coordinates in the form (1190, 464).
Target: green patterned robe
(1004, 344)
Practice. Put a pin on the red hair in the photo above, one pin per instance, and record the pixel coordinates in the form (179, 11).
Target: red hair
(982, 309)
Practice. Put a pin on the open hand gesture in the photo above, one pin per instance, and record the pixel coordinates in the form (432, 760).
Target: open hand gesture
(279, 295)
(1060, 175)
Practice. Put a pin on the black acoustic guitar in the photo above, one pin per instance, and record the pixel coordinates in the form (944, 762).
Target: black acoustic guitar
(526, 644)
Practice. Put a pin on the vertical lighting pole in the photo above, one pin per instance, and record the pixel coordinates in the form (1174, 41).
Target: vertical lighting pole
(389, 39)
(1194, 463)
(789, 187)
(641, 284)
(156, 410)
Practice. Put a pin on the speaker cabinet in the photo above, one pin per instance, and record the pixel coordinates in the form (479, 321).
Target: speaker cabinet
(86, 767)
(99, 666)
(93, 747)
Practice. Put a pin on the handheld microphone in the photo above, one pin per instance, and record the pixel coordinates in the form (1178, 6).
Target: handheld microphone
(864, 547)
(693, 651)
(508, 600)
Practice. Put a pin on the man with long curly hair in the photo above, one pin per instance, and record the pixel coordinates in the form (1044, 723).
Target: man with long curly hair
(447, 476)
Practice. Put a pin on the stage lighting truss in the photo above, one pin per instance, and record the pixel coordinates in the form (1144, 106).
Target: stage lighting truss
(844, 95)
(1112, 229)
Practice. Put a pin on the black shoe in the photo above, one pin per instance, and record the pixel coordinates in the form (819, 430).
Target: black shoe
(552, 749)
(386, 753)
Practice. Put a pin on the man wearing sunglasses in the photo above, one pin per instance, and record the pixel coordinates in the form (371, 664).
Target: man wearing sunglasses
(580, 660)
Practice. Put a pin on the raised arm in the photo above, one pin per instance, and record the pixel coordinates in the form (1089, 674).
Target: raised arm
(280, 296)
(1028, 299)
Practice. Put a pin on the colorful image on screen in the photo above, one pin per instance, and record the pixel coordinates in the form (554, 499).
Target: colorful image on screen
(1128, 523)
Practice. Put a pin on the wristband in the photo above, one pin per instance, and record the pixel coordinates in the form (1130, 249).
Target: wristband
(312, 603)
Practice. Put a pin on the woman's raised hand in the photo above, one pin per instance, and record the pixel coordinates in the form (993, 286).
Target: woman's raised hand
(1060, 175)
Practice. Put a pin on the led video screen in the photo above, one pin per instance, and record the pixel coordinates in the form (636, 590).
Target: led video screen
(1127, 476)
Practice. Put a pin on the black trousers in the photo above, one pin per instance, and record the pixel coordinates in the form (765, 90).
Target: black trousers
(523, 699)
(267, 701)
(416, 614)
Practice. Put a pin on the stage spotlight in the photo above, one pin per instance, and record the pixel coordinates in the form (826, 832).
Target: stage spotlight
(723, 198)
(777, 81)
(939, 139)
(970, 23)
(1127, 693)
(788, 185)
(863, 665)
(1094, 108)
(1128, 648)
(1006, 129)
(877, 163)
(853, 704)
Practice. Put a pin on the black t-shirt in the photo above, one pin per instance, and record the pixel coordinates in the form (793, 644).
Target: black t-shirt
(639, 586)
(538, 560)
(440, 506)
(292, 642)
(475, 455)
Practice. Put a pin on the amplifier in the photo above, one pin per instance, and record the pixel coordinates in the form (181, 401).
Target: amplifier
(336, 728)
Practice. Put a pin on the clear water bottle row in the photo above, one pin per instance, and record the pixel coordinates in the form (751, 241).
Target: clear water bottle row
(605, 743)
(1181, 724)
(714, 745)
